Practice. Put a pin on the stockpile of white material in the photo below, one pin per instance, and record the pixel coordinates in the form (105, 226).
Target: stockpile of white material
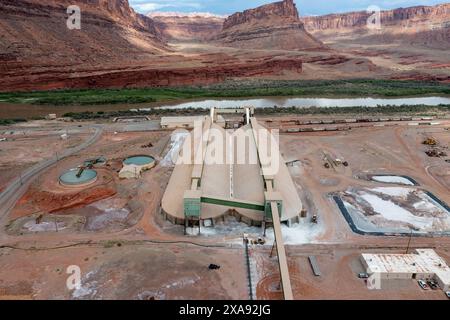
(130, 171)
(393, 179)
(176, 141)
(298, 233)
(396, 208)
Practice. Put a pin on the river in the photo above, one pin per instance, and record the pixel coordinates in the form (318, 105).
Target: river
(311, 102)
(10, 111)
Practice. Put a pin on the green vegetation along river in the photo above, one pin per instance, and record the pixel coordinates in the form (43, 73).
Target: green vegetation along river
(267, 94)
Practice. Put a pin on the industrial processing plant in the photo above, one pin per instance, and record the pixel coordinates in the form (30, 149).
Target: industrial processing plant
(227, 151)
(211, 189)
(257, 192)
(232, 202)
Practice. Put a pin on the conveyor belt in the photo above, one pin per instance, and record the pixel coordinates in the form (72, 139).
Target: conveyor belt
(233, 203)
(281, 252)
(282, 260)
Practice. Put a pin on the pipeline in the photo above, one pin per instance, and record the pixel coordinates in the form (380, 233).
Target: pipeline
(249, 273)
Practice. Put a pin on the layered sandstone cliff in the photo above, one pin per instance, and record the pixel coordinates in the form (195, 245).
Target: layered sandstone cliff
(115, 48)
(194, 27)
(275, 26)
(35, 32)
(420, 15)
(179, 74)
(421, 25)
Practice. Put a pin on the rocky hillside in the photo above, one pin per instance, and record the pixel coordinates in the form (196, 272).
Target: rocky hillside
(34, 32)
(275, 26)
(115, 48)
(187, 27)
(421, 25)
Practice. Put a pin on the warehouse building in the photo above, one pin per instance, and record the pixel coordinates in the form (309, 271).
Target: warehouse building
(186, 122)
(210, 190)
(423, 264)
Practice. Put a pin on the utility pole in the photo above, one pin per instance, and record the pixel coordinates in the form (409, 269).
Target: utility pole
(273, 248)
(409, 241)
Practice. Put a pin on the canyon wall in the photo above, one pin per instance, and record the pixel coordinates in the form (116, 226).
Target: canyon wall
(285, 9)
(35, 32)
(196, 27)
(115, 48)
(433, 15)
(275, 26)
(427, 26)
(154, 76)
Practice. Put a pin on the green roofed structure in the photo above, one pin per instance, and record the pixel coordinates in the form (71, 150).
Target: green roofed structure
(210, 190)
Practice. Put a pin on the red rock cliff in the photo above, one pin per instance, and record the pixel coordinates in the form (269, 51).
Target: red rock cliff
(35, 32)
(424, 26)
(274, 26)
(418, 14)
(285, 9)
(188, 27)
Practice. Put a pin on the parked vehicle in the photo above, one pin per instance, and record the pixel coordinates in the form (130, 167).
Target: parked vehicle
(448, 294)
(363, 275)
(423, 285)
(433, 285)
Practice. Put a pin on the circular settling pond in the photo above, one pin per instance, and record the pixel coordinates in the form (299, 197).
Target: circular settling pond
(74, 178)
(139, 160)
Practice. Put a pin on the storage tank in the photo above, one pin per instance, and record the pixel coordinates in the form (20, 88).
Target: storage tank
(78, 177)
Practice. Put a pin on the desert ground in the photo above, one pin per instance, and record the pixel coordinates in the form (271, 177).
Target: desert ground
(407, 60)
(29, 145)
(114, 231)
(369, 186)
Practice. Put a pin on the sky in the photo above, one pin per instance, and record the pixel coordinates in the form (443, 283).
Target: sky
(305, 7)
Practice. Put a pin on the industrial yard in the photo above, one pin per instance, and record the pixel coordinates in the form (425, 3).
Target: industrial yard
(212, 157)
(114, 198)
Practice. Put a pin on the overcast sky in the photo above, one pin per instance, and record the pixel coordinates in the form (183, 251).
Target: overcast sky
(305, 7)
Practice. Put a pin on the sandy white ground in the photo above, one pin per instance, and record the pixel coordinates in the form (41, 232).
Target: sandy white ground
(176, 141)
(393, 191)
(393, 212)
(88, 287)
(393, 179)
(299, 233)
(43, 226)
(395, 209)
(109, 216)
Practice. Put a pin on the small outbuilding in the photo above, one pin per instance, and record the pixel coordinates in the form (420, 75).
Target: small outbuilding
(51, 116)
(186, 122)
(135, 165)
(130, 172)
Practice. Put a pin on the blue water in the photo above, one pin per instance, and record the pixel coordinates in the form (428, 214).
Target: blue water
(70, 177)
(139, 160)
(310, 102)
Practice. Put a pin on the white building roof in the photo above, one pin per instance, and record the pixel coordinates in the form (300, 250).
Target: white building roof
(181, 119)
(436, 263)
(424, 261)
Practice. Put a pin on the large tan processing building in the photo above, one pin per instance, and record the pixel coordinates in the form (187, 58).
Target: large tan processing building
(210, 189)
